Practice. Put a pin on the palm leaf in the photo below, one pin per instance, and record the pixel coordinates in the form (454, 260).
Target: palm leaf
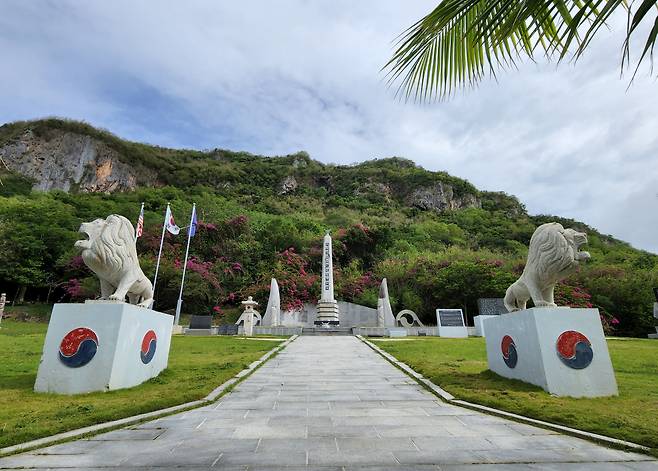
(462, 41)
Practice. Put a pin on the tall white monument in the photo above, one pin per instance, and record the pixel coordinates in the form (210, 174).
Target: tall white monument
(384, 311)
(272, 315)
(327, 305)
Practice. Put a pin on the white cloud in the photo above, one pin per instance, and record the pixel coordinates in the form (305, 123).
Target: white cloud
(277, 77)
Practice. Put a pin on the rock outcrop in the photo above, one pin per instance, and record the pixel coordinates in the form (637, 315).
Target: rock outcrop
(288, 185)
(69, 161)
(441, 197)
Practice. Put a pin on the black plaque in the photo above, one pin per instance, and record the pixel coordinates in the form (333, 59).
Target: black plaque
(451, 318)
(227, 329)
(200, 322)
(491, 306)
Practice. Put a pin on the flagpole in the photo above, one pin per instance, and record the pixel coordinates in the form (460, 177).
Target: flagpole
(141, 214)
(157, 266)
(187, 252)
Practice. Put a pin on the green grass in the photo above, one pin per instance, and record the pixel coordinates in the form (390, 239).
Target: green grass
(460, 367)
(28, 312)
(196, 366)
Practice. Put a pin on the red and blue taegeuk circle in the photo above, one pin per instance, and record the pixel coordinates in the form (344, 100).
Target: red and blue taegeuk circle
(78, 347)
(508, 347)
(574, 349)
(149, 344)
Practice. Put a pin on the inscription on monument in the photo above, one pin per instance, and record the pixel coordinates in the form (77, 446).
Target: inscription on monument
(450, 317)
(327, 266)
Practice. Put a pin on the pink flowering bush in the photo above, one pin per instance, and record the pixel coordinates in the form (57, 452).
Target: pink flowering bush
(296, 284)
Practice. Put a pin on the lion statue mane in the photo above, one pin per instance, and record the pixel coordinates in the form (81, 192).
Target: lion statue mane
(111, 254)
(553, 255)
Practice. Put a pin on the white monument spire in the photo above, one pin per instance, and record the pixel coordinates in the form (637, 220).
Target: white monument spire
(327, 270)
(327, 305)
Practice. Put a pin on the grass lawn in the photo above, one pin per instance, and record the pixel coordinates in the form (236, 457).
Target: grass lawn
(196, 366)
(460, 367)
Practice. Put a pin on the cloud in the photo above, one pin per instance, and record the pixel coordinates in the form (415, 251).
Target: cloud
(278, 77)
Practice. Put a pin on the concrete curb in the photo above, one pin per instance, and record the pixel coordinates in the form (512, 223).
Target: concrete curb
(136, 419)
(446, 396)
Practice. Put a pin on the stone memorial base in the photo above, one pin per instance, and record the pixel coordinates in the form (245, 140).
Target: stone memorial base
(102, 346)
(200, 332)
(327, 313)
(396, 331)
(277, 330)
(455, 328)
(177, 330)
(478, 322)
(561, 350)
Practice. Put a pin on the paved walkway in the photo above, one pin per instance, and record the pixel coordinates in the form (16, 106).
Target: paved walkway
(331, 403)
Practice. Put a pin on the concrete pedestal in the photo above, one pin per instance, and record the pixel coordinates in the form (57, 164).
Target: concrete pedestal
(478, 322)
(561, 350)
(396, 332)
(101, 346)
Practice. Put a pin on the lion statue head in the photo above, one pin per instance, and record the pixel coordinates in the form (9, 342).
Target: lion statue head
(110, 252)
(554, 254)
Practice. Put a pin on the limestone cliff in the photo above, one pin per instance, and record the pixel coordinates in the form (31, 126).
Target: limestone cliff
(441, 197)
(70, 161)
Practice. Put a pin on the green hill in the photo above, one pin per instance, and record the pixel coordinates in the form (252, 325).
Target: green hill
(438, 239)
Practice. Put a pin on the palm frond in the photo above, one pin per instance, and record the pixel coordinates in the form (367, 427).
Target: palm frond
(460, 42)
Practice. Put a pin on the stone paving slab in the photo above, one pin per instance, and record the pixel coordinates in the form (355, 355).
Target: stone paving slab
(330, 403)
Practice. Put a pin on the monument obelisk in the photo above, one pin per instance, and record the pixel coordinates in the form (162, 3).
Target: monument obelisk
(327, 305)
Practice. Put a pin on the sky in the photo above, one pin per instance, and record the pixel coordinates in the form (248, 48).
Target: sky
(274, 78)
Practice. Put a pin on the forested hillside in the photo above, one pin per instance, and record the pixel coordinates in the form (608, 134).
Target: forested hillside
(438, 240)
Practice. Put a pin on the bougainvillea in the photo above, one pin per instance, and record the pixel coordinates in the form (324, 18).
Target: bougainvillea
(296, 285)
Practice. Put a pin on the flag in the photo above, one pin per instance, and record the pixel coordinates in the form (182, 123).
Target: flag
(140, 223)
(193, 223)
(170, 225)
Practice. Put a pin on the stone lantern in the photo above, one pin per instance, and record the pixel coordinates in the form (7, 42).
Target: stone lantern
(248, 315)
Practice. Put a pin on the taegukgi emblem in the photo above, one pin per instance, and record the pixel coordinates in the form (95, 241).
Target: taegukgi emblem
(574, 349)
(78, 347)
(508, 348)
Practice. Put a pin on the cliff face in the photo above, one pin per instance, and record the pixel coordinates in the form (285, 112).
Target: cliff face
(68, 161)
(76, 157)
(441, 197)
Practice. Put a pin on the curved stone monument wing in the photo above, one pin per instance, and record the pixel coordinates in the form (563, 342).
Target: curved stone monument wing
(554, 254)
(402, 320)
(272, 315)
(256, 314)
(110, 252)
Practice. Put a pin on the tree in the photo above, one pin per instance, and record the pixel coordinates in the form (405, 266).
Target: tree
(460, 41)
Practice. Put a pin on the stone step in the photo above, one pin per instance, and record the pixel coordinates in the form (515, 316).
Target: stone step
(327, 331)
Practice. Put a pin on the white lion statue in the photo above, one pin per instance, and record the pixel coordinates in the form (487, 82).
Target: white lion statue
(553, 255)
(111, 254)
